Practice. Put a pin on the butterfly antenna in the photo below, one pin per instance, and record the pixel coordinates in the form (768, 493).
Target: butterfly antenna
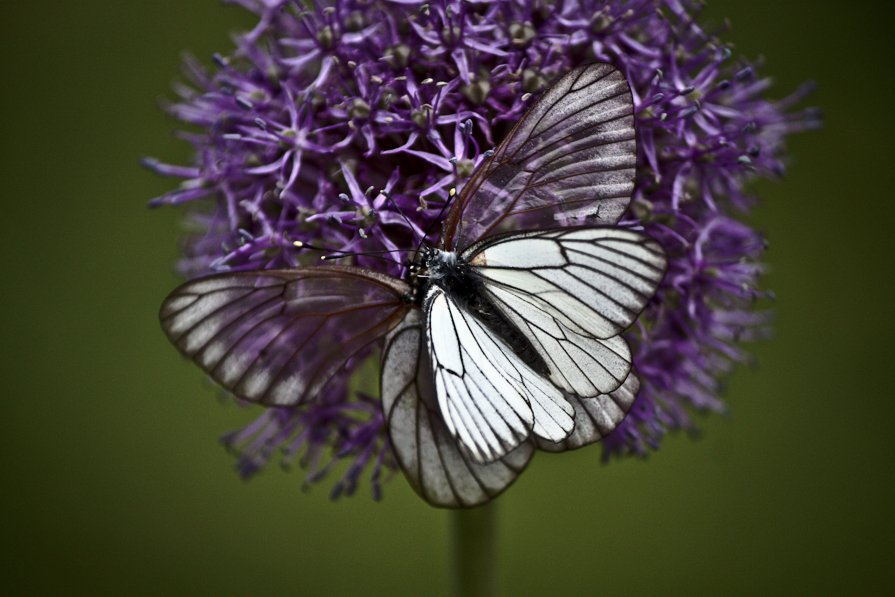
(300, 244)
(394, 204)
(333, 254)
(451, 194)
(376, 254)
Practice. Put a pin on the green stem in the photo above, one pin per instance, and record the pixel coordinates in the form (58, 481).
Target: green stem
(475, 551)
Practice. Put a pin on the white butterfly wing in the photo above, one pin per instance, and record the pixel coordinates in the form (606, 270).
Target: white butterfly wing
(428, 454)
(572, 292)
(491, 401)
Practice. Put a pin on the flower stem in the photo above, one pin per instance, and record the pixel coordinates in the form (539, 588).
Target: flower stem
(475, 551)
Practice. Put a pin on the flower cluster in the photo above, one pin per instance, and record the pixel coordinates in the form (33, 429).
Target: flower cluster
(332, 120)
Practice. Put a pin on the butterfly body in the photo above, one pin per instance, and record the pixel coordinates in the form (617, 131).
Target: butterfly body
(460, 281)
(505, 339)
(442, 265)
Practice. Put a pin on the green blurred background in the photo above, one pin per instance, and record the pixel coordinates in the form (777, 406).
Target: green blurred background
(112, 478)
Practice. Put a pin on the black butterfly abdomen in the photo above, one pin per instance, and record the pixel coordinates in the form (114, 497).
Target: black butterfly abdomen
(469, 292)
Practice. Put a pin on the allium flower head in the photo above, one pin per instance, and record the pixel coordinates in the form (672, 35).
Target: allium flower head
(329, 120)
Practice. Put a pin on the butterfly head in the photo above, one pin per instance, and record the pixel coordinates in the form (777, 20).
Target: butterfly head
(441, 264)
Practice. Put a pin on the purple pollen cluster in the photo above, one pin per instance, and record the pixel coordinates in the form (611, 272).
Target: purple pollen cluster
(332, 120)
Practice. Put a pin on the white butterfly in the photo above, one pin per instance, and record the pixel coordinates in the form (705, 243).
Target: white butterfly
(500, 341)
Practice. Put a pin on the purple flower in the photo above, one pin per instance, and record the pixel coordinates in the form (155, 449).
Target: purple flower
(325, 124)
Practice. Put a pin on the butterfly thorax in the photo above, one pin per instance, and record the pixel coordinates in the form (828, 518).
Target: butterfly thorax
(443, 266)
(452, 274)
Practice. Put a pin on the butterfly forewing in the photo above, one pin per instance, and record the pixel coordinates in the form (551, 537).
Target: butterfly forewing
(569, 161)
(572, 292)
(276, 337)
(427, 452)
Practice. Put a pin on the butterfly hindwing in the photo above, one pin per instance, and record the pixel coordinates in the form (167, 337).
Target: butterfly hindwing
(436, 467)
(490, 399)
(569, 161)
(596, 417)
(572, 292)
(276, 337)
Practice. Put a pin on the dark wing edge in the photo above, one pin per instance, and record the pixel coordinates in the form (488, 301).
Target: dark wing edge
(596, 417)
(570, 160)
(276, 337)
(429, 456)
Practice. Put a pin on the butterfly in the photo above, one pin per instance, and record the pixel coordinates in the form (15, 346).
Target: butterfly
(504, 338)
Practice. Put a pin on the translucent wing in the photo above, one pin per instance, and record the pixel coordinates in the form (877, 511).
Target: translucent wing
(596, 417)
(491, 401)
(570, 160)
(428, 454)
(276, 337)
(572, 292)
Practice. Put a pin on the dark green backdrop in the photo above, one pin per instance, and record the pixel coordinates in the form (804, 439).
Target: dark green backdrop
(112, 479)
